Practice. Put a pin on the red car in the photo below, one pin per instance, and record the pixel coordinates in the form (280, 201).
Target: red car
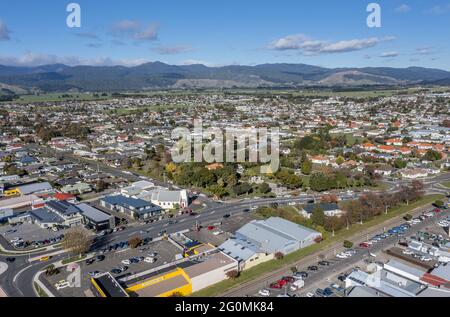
(210, 228)
(275, 285)
(437, 210)
(288, 279)
(364, 245)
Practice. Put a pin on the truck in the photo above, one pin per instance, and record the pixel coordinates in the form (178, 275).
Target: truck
(297, 285)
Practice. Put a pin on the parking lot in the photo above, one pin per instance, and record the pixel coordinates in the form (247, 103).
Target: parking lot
(164, 252)
(29, 232)
(326, 278)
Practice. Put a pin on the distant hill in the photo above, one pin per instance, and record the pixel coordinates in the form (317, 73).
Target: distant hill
(157, 75)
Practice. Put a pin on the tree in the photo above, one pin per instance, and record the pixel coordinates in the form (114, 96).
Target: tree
(135, 242)
(432, 155)
(408, 217)
(439, 203)
(318, 215)
(307, 167)
(76, 241)
(294, 269)
(348, 244)
(233, 274)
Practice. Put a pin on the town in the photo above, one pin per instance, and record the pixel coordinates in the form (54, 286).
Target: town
(358, 206)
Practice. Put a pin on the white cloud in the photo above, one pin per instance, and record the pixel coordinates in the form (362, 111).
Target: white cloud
(308, 46)
(37, 59)
(171, 50)
(389, 54)
(148, 34)
(403, 8)
(134, 30)
(424, 51)
(4, 32)
(440, 9)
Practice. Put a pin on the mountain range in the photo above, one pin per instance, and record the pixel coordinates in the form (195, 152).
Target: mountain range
(158, 75)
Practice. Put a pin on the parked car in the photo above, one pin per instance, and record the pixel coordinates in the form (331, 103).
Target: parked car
(302, 275)
(264, 292)
(10, 259)
(126, 262)
(312, 268)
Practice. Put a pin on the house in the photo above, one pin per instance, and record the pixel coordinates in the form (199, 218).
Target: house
(319, 159)
(77, 189)
(329, 209)
(414, 173)
(136, 208)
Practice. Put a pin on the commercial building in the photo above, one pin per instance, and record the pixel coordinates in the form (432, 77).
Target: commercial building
(96, 218)
(277, 235)
(136, 208)
(184, 277)
(104, 285)
(28, 189)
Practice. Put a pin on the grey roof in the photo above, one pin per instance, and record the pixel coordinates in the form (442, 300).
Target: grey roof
(45, 215)
(93, 213)
(238, 249)
(166, 196)
(34, 188)
(63, 207)
(442, 271)
(364, 291)
(405, 268)
(274, 234)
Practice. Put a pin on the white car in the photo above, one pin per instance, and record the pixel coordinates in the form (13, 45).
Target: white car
(443, 223)
(343, 255)
(16, 239)
(407, 252)
(217, 233)
(61, 285)
(309, 294)
(264, 292)
(149, 260)
(126, 262)
(425, 258)
(293, 203)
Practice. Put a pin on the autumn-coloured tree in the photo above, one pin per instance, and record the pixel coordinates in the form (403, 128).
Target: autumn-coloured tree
(134, 242)
(233, 274)
(76, 241)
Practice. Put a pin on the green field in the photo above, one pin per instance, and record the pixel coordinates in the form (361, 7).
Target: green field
(446, 184)
(289, 259)
(55, 97)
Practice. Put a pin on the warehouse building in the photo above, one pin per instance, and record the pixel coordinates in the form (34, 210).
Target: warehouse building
(184, 277)
(277, 235)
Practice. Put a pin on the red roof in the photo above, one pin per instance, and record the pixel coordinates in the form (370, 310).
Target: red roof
(433, 279)
(62, 196)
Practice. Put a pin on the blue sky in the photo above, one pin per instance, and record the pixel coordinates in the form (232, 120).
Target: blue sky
(321, 32)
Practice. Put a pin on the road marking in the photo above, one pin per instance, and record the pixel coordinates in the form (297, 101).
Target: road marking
(182, 220)
(20, 272)
(196, 217)
(212, 212)
(166, 225)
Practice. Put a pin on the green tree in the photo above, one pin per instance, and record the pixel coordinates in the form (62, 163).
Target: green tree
(318, 215)
(307, 167)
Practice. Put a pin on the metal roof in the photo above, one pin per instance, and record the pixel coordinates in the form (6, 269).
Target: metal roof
(93, 213)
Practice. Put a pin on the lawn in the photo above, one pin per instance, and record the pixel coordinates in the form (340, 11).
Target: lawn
(446, 184)
(73, 259)
(289, 259)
